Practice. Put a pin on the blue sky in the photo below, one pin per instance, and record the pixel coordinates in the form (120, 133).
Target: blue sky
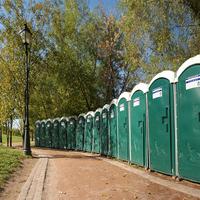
(109, 5)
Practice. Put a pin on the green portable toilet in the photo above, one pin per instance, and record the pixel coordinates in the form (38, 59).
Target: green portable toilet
(161, 123)
(55, 133)
(88, 131)
(42, 134)
(96, 135)
(71, 132)
(138, 136)
(188, 119)
(48, 135)
(123, 126)
(63, 133)
(80, 129)
(113, 135)
(37, 133)
(104, 130)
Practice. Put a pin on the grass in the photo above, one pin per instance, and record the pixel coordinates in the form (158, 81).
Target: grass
(15, 139)
(10, 159)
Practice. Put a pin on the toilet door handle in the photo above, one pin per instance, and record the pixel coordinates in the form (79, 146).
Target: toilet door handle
(165, 119)
(166, 115)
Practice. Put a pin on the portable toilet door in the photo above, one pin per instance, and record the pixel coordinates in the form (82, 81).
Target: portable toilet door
(55, 133)
(188, 119)
(88, 131)
(63, 133)
(80, 128)
(161, 123)
(42, 135)
(113, 129)
(96, 135)
(138, 99)
(37, 133)
(104, 130)
(123, 126)
(48, 126)
(72, 132)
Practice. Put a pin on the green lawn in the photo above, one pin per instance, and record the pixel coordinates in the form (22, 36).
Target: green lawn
(10, 159)
(14, 139)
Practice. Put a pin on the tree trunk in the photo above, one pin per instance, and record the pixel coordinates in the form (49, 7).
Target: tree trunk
(7, 133)
(11, 124)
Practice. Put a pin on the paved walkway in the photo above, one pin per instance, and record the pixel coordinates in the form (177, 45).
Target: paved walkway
(76, 175)
(33, 188)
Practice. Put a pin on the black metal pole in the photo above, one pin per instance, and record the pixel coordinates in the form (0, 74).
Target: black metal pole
(1, 133)
(27, 147)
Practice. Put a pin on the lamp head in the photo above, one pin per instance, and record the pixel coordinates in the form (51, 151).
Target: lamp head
(26, 35)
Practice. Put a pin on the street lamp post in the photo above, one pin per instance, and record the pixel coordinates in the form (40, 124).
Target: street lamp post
(26, 38)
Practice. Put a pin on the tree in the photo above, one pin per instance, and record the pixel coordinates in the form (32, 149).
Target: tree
(158, 35)
(77, 61)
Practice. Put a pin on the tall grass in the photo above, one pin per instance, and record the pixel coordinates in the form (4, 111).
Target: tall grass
(10, 159)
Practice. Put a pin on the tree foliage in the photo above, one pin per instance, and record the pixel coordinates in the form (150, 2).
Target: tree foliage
(159, 34)
(82, 58)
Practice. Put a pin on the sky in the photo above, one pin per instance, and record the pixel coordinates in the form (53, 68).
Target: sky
(109, 5)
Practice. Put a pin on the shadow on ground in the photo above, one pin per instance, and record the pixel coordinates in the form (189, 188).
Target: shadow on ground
(50, 153)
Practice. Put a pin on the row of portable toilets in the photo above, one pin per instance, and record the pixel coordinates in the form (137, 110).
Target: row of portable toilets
(156, 126)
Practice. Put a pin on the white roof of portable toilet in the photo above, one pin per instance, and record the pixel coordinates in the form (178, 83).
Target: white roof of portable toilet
(114, 101)
(141, 86)
(90, 113)
(56, 119)
(106, 106)
(81, 115)
(48, 120)
(63, 118)
(73, 117)
(98, 110)
(125, 95)
(38, 121)
(191, 61)
(170, 75)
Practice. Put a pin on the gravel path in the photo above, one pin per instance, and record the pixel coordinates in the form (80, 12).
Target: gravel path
(76, 175)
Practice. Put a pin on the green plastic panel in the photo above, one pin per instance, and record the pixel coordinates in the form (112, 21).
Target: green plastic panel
(80, 128)
(88, 133)
(113, 131)
(63, 134)
(55, 134)
(123, 127)
(96, 137)
(48, 135)
(161, 128)
(188, 110)
(42, 134)
(138, 127)
(71, 133)
(104, 132)
(37, 133)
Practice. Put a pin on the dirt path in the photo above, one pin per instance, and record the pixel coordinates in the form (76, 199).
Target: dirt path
(73, 175)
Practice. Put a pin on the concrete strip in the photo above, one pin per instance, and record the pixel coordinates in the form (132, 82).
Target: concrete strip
(169, 184)
(32, 189)
(40, 184)
(27, 185)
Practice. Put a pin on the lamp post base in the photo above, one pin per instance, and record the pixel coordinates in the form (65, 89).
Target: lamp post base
(27, 152)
